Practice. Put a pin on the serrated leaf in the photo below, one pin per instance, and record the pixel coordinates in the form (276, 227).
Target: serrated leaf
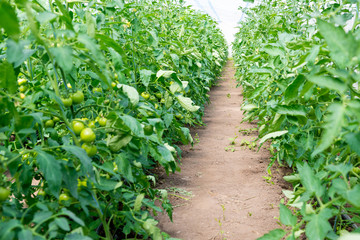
(62, 223)
(353, 140)
(273, 135)
(45, 16)
(124, 167)
(145, 76)
(249, 107)
(275, 234)
(292, 110)
(138, 201)
(286, 216)
(72, 216)
(50, 167)
(132, 93)
(175, 87)
(318, 225)
(342, 46)
(81, 155)
(41, 216)
(7, 77)
(90, 24)
(63, 56)
(328, 82)
(8, 20)
(292, 91)
(340, 168)
(133, 124)
(187, 103)
(309, 180)
(25, 234)
(332, 127)
(165, 74)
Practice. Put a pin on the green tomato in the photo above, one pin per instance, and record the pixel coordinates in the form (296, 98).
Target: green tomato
(4, 194)
(21, 81)
(90, 149)
(179, 116)
(91, 124)
(95, 90)
(148, 129)
(64, 197)
(77, 97)
(49, 124)
(162, 100)
(102, 121)
(158, 95)
(41, 193)
(145, 95)
(87, 135)
(77, 127)
(67, 102)
(22, 88)
(152, 98)
(56, 119)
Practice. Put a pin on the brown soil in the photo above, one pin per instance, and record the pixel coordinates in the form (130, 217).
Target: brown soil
(223, 194)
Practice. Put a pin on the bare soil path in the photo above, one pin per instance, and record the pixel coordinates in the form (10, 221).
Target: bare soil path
(222, 194)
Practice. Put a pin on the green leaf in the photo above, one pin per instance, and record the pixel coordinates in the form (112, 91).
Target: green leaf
(115, 143)
(7, 77)
(41, 216)
(165, 74)
(44, 17)
(274, 51)
(81, 155)
(50, 167)
(353, 196)
(264, 70)
(342, 46)
(72, 216)
(62, 223)
(328, 82)
(124, 167)
(63, 56)
(77, 236)
(292, 110)
(145, 76)
(273, 135)
(8, 20)
(108, 184)
(340, 168)
(275, 234)
(186, 103)
(132, 93)
(249, 107)
(15, 52)
(353, 140)
(349, 236)
(332, 127)
(286, 216)
(318, 226)
(138, 200)
(309, 180)
(133, 124)
(90, 24)
(292, 91)
(25, 234)
(175, 87)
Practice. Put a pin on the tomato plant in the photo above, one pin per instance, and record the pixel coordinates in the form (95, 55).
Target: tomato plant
(79, 60)
(298, 64)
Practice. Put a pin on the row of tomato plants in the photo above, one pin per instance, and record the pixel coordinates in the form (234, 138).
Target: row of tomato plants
(298, 65)
(94, 96)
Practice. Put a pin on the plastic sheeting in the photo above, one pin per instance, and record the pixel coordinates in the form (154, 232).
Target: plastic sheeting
(225, 12)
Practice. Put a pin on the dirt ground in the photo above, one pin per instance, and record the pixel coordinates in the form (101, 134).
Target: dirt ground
(223, 194)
